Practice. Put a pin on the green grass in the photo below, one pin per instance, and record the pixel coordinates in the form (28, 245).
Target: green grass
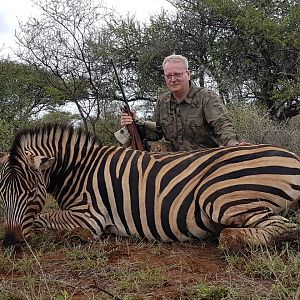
(86, 261)
(279, 267)
(112, 267)
(134, 269)
(202, 291)
(123, 268)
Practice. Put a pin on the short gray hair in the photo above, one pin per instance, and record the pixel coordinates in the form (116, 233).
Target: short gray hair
(178, 58)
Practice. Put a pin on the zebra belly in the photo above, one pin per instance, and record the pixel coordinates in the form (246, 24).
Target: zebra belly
(162, 222)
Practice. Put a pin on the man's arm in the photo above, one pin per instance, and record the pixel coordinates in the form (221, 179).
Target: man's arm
(216, 116)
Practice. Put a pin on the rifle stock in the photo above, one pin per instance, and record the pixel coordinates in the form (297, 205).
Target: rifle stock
(136, 141)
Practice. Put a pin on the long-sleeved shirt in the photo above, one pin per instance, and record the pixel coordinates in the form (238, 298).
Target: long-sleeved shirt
(199, 121)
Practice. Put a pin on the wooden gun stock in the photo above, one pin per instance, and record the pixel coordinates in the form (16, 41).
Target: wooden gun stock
(136, 142)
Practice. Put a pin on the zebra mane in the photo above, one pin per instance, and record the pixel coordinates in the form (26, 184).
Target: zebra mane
(45, 129)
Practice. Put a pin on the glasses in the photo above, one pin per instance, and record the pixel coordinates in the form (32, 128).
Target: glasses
(175, 75)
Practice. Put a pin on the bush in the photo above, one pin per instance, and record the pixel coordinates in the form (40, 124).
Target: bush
(253, 125)
(6, 136)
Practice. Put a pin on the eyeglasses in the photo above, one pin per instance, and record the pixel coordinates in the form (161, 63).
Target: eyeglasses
(175, 75)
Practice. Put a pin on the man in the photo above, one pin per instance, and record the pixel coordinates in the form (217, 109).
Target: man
(187, 117)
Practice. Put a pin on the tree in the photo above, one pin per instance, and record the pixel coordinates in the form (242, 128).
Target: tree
(71, 26)
(56, 116)
(251, 48)
(23, 95)
(123, 41)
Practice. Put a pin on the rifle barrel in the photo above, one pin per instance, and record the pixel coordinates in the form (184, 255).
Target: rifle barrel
(136, 141)
(120, 85)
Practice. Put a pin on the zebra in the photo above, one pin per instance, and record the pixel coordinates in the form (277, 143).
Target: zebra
(237, 193)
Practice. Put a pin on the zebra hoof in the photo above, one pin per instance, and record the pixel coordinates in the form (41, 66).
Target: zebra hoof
(79, 234)
(231, 240)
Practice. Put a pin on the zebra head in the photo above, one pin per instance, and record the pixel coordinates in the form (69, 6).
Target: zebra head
(22, 194)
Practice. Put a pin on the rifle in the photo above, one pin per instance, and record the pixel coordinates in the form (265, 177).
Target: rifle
(136, 142)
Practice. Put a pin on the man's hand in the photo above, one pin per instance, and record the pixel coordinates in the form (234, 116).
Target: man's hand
(236, 143)
(126, 119)
(244, 144)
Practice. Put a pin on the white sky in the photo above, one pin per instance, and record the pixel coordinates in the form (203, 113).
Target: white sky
(13, 10)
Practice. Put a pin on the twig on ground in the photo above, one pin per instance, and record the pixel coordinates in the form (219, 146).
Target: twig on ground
(95, 285)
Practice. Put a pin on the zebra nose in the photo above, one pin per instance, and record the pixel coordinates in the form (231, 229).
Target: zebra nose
(13, 238)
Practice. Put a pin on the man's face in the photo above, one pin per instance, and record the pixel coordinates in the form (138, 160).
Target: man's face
(176, 76)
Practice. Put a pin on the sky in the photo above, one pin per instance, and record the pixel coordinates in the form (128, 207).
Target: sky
(13, 10)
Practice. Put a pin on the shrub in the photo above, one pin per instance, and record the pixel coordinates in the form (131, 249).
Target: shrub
(253, 125)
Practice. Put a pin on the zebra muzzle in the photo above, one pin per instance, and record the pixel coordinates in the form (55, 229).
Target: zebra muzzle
(14, 239)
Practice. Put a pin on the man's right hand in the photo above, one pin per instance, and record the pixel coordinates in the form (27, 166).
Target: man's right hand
(126, 119)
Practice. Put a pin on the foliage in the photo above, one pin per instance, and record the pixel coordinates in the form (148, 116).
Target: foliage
(6, 135)
(205, 292)
(23, 95)
(60, 117)
(72, 65)
(105, 129)
(281, 265)
(249, 48)
(253, 125)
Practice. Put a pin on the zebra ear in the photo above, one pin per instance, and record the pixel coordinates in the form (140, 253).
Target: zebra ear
(3, 157)
(42, 162)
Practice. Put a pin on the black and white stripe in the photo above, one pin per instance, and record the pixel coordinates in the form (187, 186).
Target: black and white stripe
(157, 196)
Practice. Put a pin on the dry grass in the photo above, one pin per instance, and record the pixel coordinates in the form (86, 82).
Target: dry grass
(253, 125)
(120, 268)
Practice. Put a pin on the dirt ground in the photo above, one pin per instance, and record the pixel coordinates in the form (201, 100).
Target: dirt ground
(182, 265)
(131, 269)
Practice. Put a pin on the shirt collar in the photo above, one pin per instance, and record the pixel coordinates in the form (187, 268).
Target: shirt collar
(193, 90)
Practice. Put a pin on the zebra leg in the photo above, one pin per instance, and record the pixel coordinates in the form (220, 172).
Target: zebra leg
(73, 223)
(263, 232)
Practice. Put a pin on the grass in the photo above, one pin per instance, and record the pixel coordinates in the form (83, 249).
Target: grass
(86, 261)
(120, 268)
(207, 292)
(253, 125)
(132, 269)
(278, 267)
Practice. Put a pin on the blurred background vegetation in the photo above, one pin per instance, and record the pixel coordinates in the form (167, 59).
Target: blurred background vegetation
(248, 51)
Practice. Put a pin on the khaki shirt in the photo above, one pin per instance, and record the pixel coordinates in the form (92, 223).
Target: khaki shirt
(200, 121)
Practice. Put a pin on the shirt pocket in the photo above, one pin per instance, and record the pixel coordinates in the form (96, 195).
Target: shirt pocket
(168, 128)
(195, 128)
